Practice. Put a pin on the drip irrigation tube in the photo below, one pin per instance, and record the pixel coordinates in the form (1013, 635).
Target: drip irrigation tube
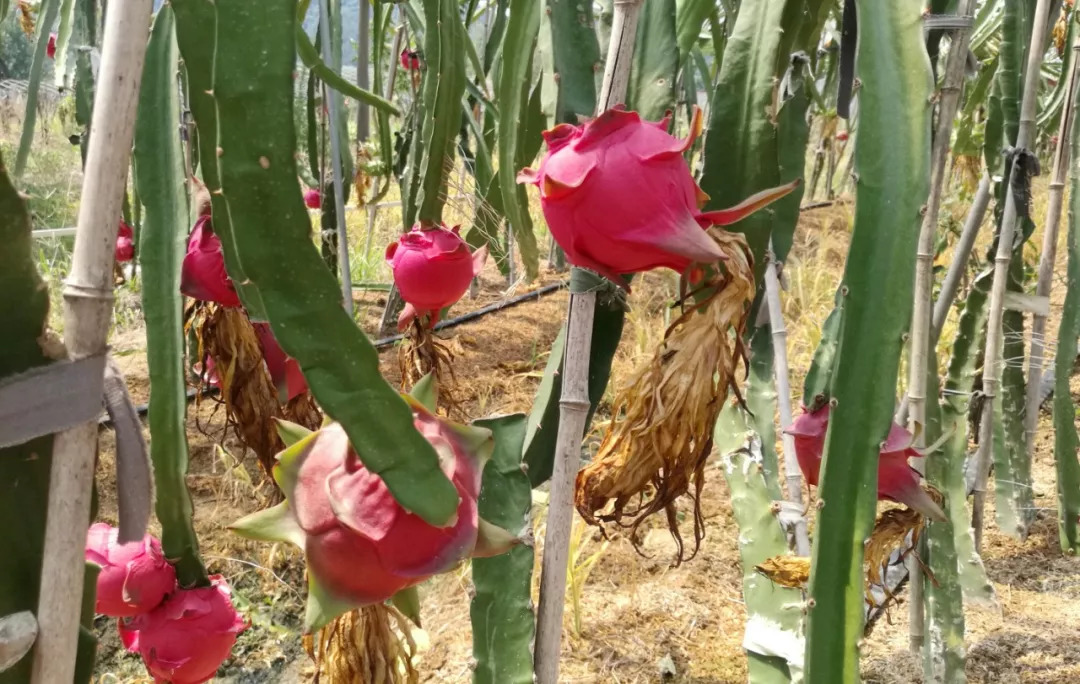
(387, 341)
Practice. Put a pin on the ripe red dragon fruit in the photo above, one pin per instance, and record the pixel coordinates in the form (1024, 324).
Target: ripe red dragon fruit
(312, 198)
(202, 275)
(50, 47)
(134, 577)
(284, 370)
(361, 546)
(410, 59)
(125, 243)
(187, 638)
(432, 269)
(897, 480)
(618, 196)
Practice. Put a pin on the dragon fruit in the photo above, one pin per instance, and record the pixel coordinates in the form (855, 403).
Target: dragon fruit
(125, 243)
(432, 269)
(312, 198)
(618, 196)
(897, 480)
(361, 546)
(202, 275)
(187, 638)
(50, 47)
(410, 60)
(134, 577)
(284, 370)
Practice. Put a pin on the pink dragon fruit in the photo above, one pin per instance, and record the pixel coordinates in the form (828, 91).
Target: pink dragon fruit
(312, 198)
(619, 198)
(361, 546)
(134, 577)
(125, 243)
(187, 638)
(202, 275)
(284, 370)
(432, 269)
(50, 47)
(410, 60)
(897, 480)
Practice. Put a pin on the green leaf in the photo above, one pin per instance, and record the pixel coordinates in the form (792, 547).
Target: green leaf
(290, 432)
(501, 609)
(272, 235)
(893, 158)
(322, 608)
(651, 89)
(514, 79)
(45, 19)
(426, 392)
(571, 59)
(159, 171)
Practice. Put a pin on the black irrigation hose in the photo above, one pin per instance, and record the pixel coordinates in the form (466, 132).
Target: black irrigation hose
(387, 341)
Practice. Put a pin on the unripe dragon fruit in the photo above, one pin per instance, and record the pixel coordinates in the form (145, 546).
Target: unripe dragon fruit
(202, 275)
(432, 269)
(284, 370)
(897, 480)
(312, 198)
(187, 638)
(361, 546)
(125, 243)
(134, 577)
(618, 196)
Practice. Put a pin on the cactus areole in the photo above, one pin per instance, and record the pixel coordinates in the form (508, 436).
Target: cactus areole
(618, 196)
(897, 480)
(134, 577)
(187, 638)
(361, 546)
(432, 269)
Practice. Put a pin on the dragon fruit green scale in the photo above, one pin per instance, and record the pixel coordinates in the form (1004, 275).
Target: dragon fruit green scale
(360, 545)
(618, 196)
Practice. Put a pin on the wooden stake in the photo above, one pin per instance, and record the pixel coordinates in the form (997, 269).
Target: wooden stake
(88, 302)
(792, 474)
(992, 359)
(1048, 257)
(574, 401)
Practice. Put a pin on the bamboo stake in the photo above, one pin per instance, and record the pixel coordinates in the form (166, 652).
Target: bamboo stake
(574, 402)
(1028, 108)
(1046, 261)
(88, 302)
(792, 474)
(333, 100)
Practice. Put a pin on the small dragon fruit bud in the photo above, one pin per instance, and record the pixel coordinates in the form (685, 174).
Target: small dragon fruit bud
(284, 370)
(50, 47)
(312, 198)
(134, 577)
(125, 243)
(897, 480)
(361, 546)
(187, 638)
(618, 196)
(202, 275)
(432, 269)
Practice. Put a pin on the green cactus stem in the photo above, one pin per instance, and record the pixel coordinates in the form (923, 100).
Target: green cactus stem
(46, 17)
(159, 170)
(568, 40)
(651, 90)
(1066, 439)
(272, 239)
(893, 183)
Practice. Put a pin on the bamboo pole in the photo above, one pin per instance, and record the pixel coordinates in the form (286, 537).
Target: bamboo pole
(1028, 108)
(1046, 261)
(792, 474)
(334, 101)
(574, 401)
(88, 301)
(921, 322)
